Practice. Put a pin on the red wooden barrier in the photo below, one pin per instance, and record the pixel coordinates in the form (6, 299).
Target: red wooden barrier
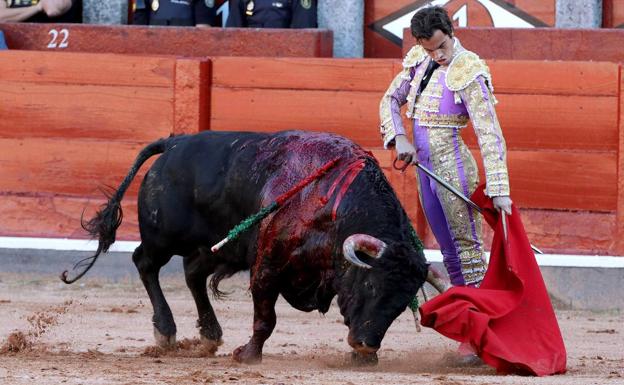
(178, 41)
(73, 122)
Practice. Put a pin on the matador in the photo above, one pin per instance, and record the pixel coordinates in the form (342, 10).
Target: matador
(445, 86)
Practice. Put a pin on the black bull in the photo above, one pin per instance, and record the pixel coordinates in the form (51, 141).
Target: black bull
(202, 185)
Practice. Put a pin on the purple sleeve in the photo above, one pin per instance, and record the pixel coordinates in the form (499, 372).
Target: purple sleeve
(397, 99)
(390, 106)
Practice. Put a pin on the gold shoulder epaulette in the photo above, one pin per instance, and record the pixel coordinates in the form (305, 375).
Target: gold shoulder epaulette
(464, 69)
(414, 57)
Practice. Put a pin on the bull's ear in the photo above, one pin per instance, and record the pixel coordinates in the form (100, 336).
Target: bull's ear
(417, 263)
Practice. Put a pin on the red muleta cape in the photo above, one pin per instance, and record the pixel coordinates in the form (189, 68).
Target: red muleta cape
(508, 321)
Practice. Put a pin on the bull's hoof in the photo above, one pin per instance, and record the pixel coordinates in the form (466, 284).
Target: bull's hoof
(364, 359)
(246, 355)
(163, 341)
(211, 346)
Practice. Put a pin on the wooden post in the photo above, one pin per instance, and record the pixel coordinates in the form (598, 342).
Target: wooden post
(191, 96)
(618, 245)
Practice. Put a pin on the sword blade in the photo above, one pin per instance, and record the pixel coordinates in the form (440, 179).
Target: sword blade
(448, 187)
(503, 215)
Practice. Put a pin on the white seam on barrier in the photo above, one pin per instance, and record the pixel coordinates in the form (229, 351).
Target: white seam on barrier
(555, 260)
(65, 244)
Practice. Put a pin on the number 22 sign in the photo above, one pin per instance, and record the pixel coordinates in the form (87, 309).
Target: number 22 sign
(58, 39)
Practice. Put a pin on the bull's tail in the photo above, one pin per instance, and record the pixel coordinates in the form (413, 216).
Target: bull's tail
(107, 220)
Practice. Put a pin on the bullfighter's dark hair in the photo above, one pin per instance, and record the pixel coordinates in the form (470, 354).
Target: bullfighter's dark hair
(427, 20)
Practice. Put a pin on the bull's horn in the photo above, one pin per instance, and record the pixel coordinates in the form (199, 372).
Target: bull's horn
(366, 244)
(437, 280)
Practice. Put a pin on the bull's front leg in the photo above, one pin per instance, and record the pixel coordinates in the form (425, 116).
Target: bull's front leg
(264, 296)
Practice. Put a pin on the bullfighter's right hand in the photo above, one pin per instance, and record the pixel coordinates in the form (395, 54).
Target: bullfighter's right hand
(405, 150)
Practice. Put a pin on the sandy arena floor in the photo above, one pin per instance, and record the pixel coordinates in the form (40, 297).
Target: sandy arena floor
(98, 332)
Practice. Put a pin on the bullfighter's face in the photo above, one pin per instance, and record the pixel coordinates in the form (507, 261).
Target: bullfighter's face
(439, 46)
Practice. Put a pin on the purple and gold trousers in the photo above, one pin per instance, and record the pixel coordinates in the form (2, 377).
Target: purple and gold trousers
(455, 225)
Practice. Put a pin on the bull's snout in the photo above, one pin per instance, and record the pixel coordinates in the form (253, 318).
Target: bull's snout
(361, 346)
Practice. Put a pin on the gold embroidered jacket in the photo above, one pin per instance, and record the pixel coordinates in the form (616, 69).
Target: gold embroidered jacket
(456, 93)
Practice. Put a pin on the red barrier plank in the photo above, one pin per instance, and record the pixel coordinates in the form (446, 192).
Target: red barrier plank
(551, 78)
(178, 41)
(74, 167)
(556, 122)
(526, 77)
(555, 78)
(58, 217)
(571, 232)
(565, 44)
(86, 111)
(563, 180)
(352, 114)
(81, 68)
(303, 73)
(559, 232)
(529, 121)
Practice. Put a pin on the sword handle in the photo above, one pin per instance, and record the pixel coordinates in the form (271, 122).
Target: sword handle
(397, 165)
